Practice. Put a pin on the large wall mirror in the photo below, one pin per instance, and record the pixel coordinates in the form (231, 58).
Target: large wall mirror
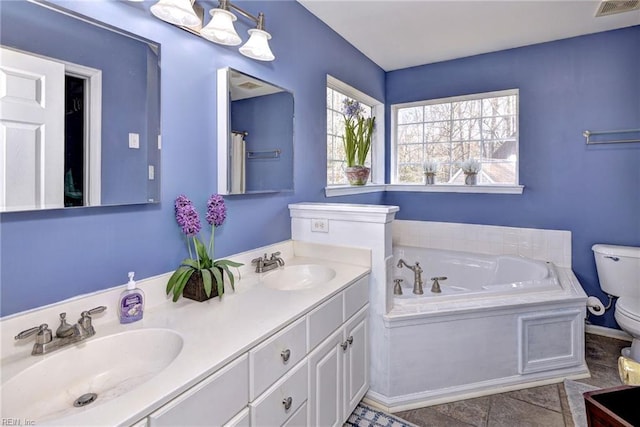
(79, 111)
(255, 135)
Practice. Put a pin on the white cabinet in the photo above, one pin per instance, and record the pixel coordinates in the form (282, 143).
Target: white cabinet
(214, 401)
(356, 361)
(326, 382)
(339, 373)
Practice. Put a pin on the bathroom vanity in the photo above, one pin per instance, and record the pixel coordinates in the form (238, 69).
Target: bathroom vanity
(260, 356)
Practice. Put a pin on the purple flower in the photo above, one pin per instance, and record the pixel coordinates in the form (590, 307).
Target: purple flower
(216, 210)
(187, 216)
(351, 109)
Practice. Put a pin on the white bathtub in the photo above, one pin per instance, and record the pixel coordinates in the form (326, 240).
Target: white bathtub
(501, 323)
(470, 275)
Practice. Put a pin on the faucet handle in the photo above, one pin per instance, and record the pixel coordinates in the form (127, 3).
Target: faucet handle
(93, 311)
(439, 278)
(274, 255)
(42, 332)
(258, 261)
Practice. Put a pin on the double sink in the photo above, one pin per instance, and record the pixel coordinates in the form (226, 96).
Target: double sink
(101, 369)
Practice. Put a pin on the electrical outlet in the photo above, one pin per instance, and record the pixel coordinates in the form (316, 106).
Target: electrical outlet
(320, 225)
(134, 140)
(152, 173)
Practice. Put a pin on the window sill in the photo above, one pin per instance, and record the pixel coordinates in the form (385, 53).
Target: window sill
(345, 190)
(450, 188)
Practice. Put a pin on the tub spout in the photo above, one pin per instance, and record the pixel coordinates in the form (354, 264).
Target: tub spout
(417, 272)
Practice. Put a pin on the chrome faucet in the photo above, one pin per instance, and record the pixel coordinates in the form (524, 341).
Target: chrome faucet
(65, 334)
(265, 264)
(435, 287)
(417, 272)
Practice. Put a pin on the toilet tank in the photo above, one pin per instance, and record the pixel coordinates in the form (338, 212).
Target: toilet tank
(618, 269)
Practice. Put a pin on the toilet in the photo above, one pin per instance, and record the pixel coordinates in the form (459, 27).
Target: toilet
(619, 274)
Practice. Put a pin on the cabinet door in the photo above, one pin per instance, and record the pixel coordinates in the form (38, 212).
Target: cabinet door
(326, 383)
(356, 360)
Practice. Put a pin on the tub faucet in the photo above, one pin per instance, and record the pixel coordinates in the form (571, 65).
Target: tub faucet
(435, 287)
(417, 272)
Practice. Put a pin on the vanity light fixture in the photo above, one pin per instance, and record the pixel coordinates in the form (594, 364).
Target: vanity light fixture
(220, 29)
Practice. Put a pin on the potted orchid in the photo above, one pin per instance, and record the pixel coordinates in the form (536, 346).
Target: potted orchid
(430, 168)
(357, 141)
(470, 167)
(196, 276)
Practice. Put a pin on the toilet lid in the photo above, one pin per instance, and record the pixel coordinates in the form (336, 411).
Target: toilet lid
(629, 307)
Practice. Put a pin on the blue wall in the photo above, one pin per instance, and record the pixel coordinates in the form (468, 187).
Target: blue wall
(568, 86)
(53, 255)
(123, 62)
(268, 121)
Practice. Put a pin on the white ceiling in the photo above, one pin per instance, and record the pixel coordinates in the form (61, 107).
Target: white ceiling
(403, 33)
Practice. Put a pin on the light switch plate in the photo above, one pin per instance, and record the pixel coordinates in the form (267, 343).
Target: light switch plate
(134, 140)
(320, 225)
(152, 173)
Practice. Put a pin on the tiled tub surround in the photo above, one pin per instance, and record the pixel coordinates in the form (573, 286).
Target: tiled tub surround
(442, 350)
(543, 245)
(215, 332)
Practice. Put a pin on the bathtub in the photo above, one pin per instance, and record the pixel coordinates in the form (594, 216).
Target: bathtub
(501, 323)
(470, 275)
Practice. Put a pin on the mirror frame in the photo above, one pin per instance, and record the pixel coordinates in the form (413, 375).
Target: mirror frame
(223, 100)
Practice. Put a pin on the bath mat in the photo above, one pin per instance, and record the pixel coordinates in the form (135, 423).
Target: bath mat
(574, 392)
(366, 416)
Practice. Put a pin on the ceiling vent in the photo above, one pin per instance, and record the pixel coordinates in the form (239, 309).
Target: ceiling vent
(249, 85)
(610, 7)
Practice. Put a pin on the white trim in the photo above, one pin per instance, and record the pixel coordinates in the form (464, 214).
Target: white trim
(92, 131)
(607, 332)
(378, 111)
(223, 125)
(345, 190)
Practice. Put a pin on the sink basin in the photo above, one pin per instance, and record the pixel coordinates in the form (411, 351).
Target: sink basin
(297, 277)
(109, 367)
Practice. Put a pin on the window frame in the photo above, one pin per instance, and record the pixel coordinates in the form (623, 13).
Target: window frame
(377, 144)
(447, 187)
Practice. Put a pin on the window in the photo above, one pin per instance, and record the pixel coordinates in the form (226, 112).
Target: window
(337, 92)
(449, 130)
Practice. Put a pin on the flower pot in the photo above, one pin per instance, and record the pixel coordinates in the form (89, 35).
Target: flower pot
(470, 178)
(429, 178)
(357, 175)
(194, 289)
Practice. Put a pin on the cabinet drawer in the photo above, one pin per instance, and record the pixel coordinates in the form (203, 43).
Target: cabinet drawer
(214, 401)
(274, 357)
(240, 420)
(269, 409)
(324, 320)
(355, 297)
(299, 419)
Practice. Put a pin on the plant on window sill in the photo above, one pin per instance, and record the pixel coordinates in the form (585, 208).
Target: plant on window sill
(357, 141)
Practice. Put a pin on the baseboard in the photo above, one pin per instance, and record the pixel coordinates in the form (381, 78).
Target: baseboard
(607, 332)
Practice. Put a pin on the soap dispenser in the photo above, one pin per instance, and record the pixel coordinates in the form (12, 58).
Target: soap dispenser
(131, 302)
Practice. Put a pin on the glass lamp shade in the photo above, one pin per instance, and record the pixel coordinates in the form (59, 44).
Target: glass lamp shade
(257, 47)
(220, 29)
(177, 12)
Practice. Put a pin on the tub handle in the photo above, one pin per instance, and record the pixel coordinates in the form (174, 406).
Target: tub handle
(397, 288)
(435, 288)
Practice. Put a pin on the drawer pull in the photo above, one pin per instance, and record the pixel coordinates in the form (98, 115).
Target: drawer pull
(287, 403)
(344, 346)
(286, 354)
(350, 340)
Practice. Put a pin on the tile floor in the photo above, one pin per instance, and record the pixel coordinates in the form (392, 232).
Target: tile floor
(544, 406)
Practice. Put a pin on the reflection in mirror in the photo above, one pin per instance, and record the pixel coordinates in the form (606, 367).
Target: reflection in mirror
(255, 135)
(79, 111)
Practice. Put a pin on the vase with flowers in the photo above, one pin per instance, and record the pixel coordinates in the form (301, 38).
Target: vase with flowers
(200, 277)
(430, 168)
(470, 167)
(358, 131)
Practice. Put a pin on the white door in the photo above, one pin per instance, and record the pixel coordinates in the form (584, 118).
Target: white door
(356, 365)
(31, 132)
(326, 382)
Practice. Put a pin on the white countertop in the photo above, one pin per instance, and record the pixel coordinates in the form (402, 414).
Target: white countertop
(214, 333)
